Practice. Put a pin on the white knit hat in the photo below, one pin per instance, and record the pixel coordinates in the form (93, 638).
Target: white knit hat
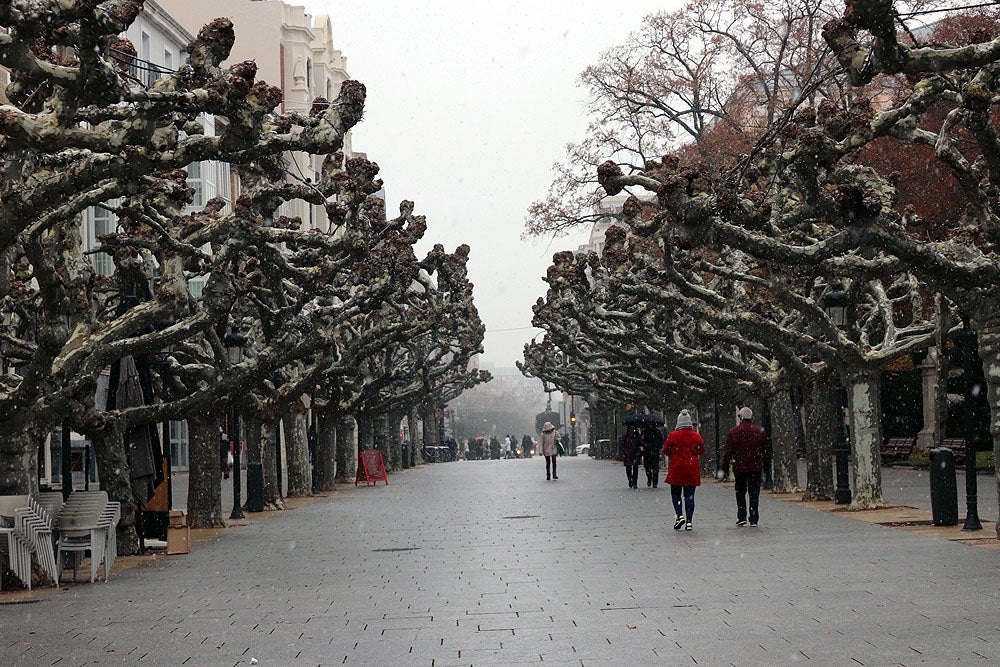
(684, 420)
(745, 413)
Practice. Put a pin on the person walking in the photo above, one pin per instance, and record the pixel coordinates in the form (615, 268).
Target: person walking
(526, 444)
(682, 447)
(748, 450)
(549, 444)
(629, 445)
(652, 441)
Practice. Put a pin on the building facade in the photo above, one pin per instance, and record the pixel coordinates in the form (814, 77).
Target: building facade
(294, 51)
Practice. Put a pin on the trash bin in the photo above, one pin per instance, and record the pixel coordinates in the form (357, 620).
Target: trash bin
(944, 490)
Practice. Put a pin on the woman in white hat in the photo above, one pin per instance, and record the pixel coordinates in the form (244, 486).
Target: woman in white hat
(550, 449)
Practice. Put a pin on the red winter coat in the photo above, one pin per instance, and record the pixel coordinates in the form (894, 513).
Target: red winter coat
(747, 448)
(683, 447)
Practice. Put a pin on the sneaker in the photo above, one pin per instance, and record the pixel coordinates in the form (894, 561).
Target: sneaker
(688, 526)
(753, 525)
(678, 523)
(741, 522)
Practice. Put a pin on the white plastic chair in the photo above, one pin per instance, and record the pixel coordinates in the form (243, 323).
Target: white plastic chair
(36, 526)
(18, 550)
(84, 526)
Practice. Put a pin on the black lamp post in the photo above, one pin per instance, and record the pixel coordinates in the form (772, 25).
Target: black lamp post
(836, 303)
(235, 342)
(972, 389)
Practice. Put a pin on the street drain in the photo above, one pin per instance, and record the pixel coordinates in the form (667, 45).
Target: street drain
(10, 602)
(398, 549)
(522, 516)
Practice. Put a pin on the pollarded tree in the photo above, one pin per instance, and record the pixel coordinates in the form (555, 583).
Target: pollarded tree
(77, 135)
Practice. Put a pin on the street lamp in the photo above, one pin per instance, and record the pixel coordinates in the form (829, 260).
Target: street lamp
(235, 342)
(972, 389)
(835, 303)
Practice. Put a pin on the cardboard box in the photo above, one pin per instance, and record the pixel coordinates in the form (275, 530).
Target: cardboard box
(178, 517)
(178, 540)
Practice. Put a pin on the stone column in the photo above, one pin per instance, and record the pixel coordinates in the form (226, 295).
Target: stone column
(927, 437)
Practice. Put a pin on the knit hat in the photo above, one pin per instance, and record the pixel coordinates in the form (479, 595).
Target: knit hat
(745, 413)
(548, 426)
(684, 420)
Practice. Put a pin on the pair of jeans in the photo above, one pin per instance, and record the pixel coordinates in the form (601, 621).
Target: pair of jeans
(675, 497)
(632, 472)
(747, 483)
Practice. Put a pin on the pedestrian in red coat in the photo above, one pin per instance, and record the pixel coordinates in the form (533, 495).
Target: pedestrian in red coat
(748, 449)
(682, 447)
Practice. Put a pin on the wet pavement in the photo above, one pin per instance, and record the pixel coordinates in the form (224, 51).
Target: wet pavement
(487, 563)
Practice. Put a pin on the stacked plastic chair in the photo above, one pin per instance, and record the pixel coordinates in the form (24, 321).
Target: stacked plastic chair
(18, 548)
(85, 523)
(35, 525)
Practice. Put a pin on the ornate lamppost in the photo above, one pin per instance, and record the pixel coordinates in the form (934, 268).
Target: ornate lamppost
(972, 389)
(235, 342)
(836, 303)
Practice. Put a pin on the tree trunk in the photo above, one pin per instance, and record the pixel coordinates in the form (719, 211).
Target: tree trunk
(395, 448)
(413, 420)
(116, 479)
(347, 450)
(204, 500)
(269, 430)
(989, 352)
(429, 411)
(19, 463)
(297, 452)
(380, 434)
(326, 447)
(786, 469)
(865, 401)
(819, 434)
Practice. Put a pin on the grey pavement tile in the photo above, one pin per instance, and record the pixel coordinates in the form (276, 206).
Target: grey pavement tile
(577, 586)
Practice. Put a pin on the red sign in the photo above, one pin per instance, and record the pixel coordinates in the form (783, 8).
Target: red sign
(371, 468)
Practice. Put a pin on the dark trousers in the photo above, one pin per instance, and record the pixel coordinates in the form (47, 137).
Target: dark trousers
(632, 472)
(550, 466)
(651, 462)
(675, 497)
(747, 483)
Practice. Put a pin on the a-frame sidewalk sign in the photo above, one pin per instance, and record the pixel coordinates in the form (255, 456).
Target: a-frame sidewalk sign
(372, 468)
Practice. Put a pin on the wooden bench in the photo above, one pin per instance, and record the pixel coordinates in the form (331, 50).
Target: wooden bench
(897, 449)
(957, 447)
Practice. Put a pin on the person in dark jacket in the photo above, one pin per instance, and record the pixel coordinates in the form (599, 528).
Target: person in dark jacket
(629, 446)
(749, 452)
(683, 446)
(652, 442)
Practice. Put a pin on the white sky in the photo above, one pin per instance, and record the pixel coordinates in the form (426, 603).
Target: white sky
(469, 105)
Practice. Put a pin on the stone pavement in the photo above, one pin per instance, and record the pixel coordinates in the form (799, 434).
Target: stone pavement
(486, 563)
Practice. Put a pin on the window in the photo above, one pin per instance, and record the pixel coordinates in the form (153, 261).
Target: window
(178, 444)
(105, 222)
(201, 179)
(309, 74)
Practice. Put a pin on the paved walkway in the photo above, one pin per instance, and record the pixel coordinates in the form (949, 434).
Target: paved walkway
(486, 563)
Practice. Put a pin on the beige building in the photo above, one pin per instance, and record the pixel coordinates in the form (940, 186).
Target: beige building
(293, 51)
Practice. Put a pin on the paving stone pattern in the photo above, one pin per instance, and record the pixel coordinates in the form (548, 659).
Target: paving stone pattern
(487, 563)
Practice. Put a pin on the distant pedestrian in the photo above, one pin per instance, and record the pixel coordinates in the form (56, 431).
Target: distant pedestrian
(652, 442)
(748, 449)
(629, 445)
(682, 447)
(526, 444)
(224, 453)
(549, 445)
